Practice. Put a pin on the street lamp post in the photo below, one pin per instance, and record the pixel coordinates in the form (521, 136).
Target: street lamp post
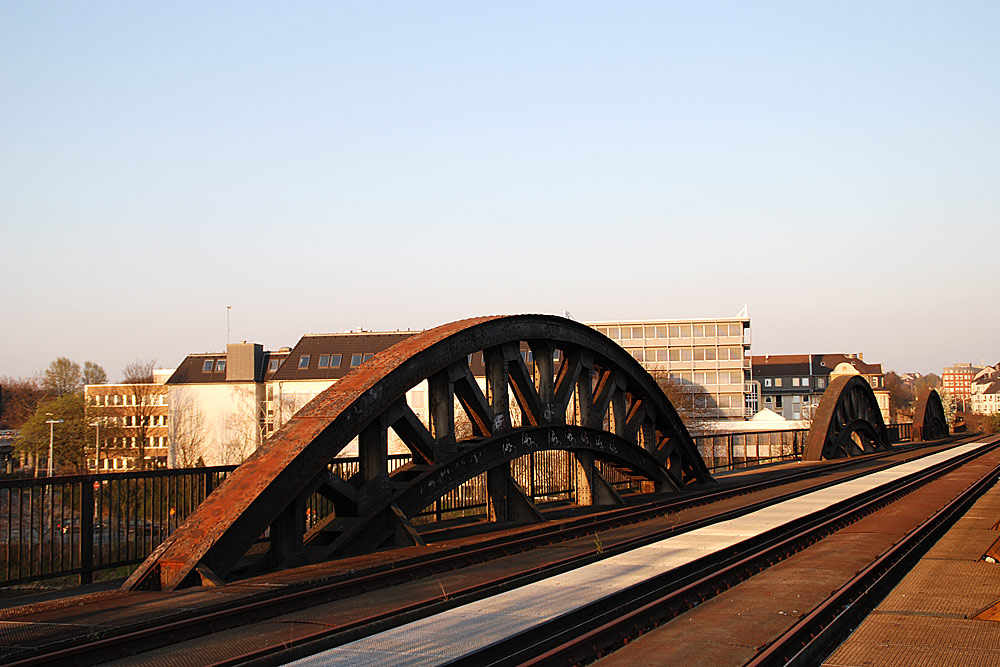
(51, 423)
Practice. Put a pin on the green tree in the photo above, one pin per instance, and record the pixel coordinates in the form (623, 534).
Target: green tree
(948, 403)
(93, 373)
(69, 438)
(63, 377)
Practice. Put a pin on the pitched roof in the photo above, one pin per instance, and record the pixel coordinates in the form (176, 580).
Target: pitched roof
(798, 364)
(191, 370)
(337, 351)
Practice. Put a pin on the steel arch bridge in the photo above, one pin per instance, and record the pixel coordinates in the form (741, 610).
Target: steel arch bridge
(929, 420)
(596, 402)
(848, 422)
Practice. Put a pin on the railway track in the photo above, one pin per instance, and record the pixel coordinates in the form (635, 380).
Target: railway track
(598, 629)
(195, 623)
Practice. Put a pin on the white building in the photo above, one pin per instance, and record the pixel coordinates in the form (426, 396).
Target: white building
(710, 357)
(984, 394)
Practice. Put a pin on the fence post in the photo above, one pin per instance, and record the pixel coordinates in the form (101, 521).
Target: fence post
(87, 530)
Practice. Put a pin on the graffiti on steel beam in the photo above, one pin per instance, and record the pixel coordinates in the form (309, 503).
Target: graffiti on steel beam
(550, 384)
(848, 422)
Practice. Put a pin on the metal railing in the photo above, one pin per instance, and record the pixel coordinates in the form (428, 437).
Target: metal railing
(900, 432)
(731, 451)
(81, 524)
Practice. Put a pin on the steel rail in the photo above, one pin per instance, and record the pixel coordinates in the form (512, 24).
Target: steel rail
(828, 623)
(203, 621)
(597, 628)
(336, 635)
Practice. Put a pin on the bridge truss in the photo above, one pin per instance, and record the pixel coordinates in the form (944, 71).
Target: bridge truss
(580, 392)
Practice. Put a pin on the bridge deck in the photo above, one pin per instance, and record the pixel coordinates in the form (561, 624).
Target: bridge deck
(458, 632)
(930, 616)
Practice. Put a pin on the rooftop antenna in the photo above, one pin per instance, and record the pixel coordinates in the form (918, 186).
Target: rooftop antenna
(228, 308)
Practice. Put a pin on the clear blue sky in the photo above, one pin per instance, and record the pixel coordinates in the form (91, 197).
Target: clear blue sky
(322, 166)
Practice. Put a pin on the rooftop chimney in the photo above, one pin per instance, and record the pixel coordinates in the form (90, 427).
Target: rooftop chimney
(242, 361)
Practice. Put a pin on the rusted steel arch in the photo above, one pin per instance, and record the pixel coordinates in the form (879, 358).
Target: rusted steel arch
(847, 423)
(608, 389)
(929, 421)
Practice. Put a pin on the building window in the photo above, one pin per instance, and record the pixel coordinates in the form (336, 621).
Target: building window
(304, 361)
(674, 331)
(368, 355)
(767, 382)
(805, 382)
(272, 365)
(795, 382)
(220, 365)
(324, 361)
(207, 366)
(335, 361)
(356, 359)
(820, 382)
(637, 353)
(777, 382)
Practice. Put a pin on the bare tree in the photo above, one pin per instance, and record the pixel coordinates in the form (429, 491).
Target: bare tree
(93, 373)
(63, 377)
(693, 405)
(244, 427)
(141, 394)
(187, 432)
(19, 398)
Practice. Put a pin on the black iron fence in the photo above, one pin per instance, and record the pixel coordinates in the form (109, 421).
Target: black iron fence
(81, 524)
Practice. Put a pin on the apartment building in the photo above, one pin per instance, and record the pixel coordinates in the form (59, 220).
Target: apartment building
(984, 396)
(957, 381)
(707, 357)
(131, 423)
(223, 405)
(793, 384)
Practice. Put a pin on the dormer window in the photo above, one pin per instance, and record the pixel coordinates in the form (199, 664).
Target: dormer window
(304, 361)
(207, 365)
(220, 365)
(272, 365)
